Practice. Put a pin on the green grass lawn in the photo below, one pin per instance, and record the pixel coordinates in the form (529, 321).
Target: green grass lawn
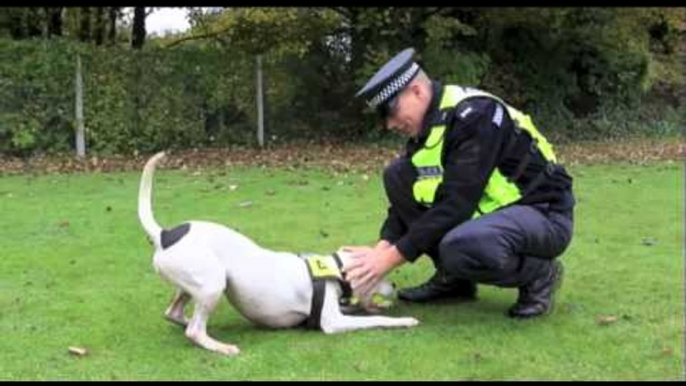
(75, 270)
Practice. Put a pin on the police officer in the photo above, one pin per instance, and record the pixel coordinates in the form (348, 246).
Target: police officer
(478, 190)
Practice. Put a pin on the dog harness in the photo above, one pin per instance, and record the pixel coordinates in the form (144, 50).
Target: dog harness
(321, 269)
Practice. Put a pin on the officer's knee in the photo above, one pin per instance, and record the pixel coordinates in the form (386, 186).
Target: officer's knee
(452, 255)
(472, 249)
(455, 242)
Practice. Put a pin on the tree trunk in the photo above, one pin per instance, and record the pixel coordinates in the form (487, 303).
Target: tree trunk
(54, 18)
(85, 24)
(112, 24)
(99, 26)
(138, 31)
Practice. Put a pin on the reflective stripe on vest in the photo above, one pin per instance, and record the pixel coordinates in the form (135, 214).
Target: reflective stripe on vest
(427, 161)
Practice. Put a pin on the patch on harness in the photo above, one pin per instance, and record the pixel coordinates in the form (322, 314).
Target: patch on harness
(323, 267)
(172, 236)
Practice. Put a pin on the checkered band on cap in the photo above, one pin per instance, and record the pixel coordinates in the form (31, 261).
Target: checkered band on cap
(396, 84)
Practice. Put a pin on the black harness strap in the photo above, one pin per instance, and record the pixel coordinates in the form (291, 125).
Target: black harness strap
(345, 286)
(550, 167)
(318, 289)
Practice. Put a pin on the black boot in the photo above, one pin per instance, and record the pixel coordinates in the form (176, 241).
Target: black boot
(538, 297)
(438, 287)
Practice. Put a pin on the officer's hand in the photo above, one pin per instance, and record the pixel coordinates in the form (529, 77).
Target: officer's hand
(357, 251)
(369, 266)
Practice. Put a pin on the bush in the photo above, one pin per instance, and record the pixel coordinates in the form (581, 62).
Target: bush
(581, 73)
(133, 100)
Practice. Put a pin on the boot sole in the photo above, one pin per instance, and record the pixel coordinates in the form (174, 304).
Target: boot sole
(441, 299)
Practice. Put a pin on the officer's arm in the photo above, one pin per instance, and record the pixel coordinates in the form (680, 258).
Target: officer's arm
(470, 155)
(392, 228)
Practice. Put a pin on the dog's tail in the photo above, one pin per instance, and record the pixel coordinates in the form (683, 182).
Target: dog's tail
(152, 228)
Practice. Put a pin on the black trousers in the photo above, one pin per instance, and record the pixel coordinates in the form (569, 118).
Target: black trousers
(508, 248)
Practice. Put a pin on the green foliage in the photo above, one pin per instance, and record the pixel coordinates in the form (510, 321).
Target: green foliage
(262, 30)
(582, 73)
(451, 62)
(33, 112)
(133, 101)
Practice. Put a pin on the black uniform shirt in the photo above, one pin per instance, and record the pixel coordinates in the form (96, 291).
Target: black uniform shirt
(474, 145)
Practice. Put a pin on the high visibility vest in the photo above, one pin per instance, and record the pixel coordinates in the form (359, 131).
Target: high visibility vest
(499, 190)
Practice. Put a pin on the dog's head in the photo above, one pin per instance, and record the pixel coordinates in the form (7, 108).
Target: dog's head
(378, 298)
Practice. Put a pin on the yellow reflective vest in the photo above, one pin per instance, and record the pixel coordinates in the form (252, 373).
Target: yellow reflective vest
(499, 191)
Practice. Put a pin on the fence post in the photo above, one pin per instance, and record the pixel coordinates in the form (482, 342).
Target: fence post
(260, 104)
(80, 130)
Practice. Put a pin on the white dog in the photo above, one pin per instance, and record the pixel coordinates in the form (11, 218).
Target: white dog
(205, 260)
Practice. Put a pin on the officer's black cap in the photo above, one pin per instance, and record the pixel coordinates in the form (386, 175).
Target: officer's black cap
(389, 81)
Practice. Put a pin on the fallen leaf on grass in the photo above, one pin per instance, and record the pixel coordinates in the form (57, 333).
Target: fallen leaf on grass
(649, 241)
(78, 351)
(605, 320)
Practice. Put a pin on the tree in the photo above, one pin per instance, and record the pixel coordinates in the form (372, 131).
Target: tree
(54, 20)
(113, 13)
(85, 24)
(22, 22)
(138, 30)
(99, 26)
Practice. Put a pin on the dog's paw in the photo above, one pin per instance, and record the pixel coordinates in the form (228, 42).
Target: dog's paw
(228, 349)
(410, 322)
